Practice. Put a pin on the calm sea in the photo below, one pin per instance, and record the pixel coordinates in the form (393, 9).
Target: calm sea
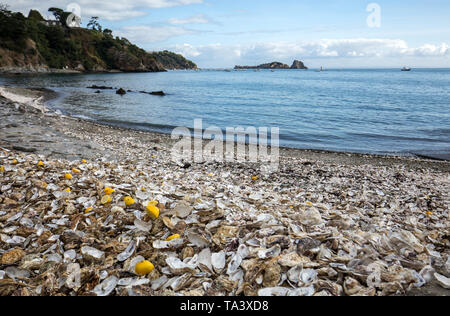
(382, 111)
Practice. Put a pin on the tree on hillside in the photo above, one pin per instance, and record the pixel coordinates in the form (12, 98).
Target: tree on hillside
(108, 33)
(60, 15)
(12, 30)
(35, 15)
(4, 7)
(93, 24)
(57, 13)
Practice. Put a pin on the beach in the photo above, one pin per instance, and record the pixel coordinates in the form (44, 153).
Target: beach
(325, 223)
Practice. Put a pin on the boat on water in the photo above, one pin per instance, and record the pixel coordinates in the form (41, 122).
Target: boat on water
(406, 69)
(320, 70)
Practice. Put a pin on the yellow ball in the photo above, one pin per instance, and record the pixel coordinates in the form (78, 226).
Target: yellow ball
(129, 201)
(109, 191)
(144, 267)
(2, 169)
(40, 163)
(68, 176)
(15, 162)
(176, 236)
(152, 211)
(106, 199)
(68, 190)
(74, 170)
(83, 161)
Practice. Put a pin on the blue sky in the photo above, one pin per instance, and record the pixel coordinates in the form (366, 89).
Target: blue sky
(330, 33)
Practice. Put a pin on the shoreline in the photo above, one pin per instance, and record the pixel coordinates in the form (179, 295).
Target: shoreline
(42, 96)
(335, 216)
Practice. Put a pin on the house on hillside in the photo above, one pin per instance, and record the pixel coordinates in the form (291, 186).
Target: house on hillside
(51, 23)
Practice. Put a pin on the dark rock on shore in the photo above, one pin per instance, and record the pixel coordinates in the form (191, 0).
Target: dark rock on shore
(100, 87)
(25, 149)
(160, 93)
(121, 92)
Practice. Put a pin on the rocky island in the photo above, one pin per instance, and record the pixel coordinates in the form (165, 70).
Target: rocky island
(275, 65)
(34, 45)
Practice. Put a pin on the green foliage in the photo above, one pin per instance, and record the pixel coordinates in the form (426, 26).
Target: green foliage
(35, 15)
(13, 30)
(173, 61)
(3, 7)
(108, 33)
(94, 25)
(57, 12)
(61, 46)
(60, 15)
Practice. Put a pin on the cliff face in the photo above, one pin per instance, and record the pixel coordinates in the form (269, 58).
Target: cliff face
(275, 65)
(12, 61)
(28, 45)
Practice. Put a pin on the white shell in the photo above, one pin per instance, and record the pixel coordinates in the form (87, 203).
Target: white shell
(270, 253)
(218, 261)
(205, 260)
(106, 287)
(177, 266)
(198, 240)
(442, 280)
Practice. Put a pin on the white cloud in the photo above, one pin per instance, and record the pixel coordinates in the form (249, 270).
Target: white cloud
(196, 19)
(145, 34)
(105, 9)
(333, 50)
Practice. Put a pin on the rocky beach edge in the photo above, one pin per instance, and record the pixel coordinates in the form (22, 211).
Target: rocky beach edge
(75, 194)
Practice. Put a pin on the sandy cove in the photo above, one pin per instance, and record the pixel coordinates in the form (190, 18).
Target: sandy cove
(324, 224)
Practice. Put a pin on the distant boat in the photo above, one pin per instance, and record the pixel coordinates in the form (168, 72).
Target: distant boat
(321, 69)
(406, 69)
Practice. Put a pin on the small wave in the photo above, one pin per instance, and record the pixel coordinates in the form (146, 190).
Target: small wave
(83, 117)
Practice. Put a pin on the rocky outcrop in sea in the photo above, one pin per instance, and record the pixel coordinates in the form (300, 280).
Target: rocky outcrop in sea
(274, 65)
(297, 64)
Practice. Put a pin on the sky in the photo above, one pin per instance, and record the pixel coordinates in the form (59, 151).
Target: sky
(225, 33)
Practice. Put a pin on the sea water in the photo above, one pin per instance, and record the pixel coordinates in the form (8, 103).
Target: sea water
(383, 111)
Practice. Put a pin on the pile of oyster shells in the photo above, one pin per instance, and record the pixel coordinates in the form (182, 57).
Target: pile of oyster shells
(310, 229)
